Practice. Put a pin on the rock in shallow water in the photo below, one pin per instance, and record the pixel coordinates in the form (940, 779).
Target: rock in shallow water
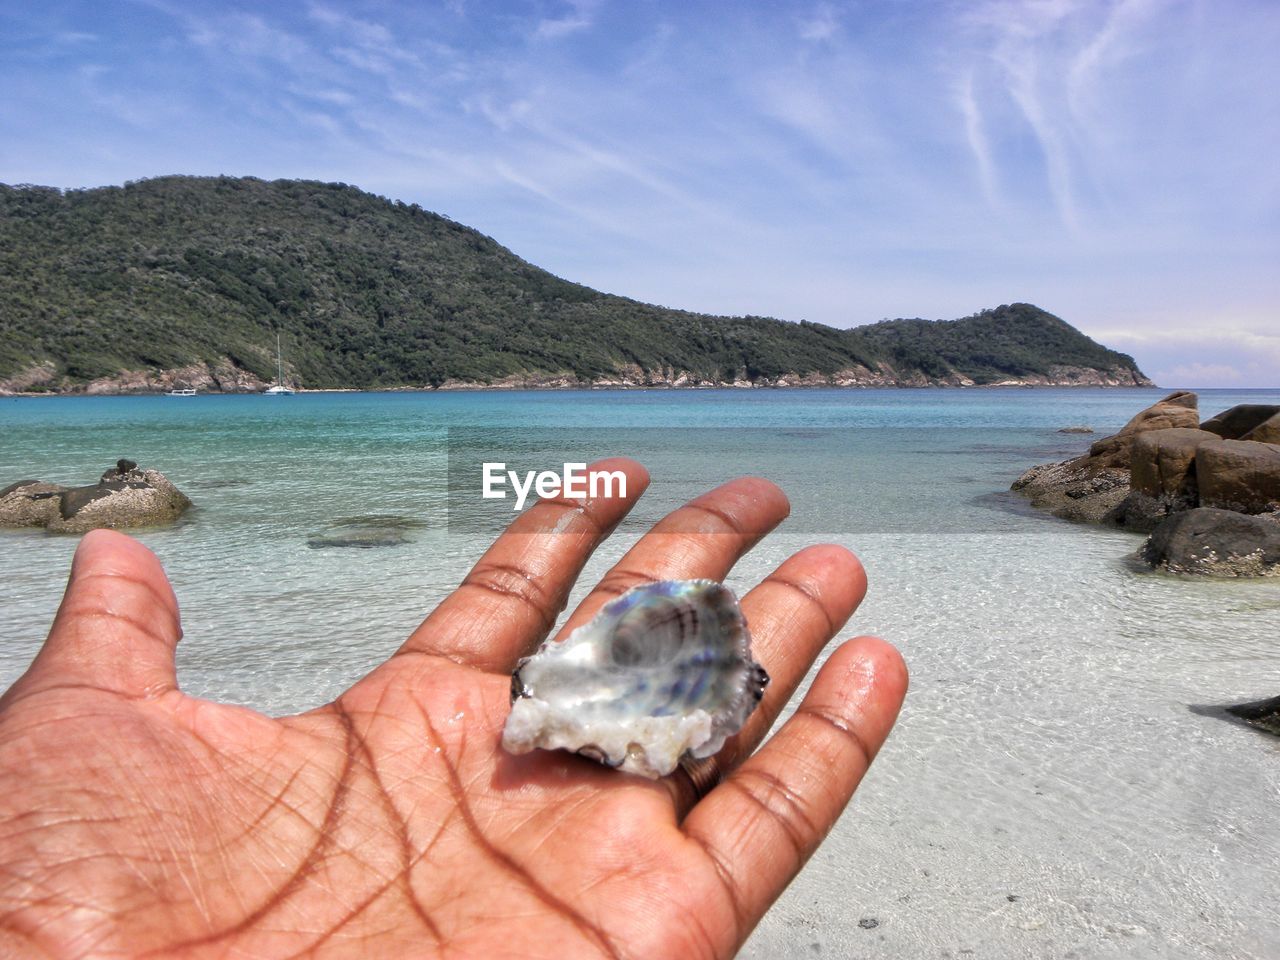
(1263, 714)
(663, 671)
(132, 498)
(380, 530)
(1217, 543)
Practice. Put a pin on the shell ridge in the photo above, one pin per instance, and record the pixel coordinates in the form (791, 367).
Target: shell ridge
(663, 671)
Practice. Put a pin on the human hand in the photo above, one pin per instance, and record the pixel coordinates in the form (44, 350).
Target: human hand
(135, 820)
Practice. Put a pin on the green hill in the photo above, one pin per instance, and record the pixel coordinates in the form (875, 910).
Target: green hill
(180, 272)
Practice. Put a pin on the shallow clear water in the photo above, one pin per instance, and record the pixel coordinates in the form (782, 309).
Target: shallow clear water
(1046, 753)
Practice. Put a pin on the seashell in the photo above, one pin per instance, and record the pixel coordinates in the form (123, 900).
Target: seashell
(663, 671)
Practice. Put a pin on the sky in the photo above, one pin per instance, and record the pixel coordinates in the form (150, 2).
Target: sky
(1116, 162)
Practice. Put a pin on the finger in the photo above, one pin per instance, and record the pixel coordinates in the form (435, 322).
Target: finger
(764, 821)
(117, 626)
(511, 598)
(704, 538)
(792, 615)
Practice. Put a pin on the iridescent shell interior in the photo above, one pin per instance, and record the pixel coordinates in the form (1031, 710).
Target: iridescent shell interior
(662, 671)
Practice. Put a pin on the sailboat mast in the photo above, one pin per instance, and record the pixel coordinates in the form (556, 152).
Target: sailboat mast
(279, 362)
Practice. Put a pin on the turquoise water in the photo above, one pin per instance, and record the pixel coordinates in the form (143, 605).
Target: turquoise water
(1046, 751)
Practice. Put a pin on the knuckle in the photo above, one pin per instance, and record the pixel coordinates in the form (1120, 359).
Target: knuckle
(513, 583)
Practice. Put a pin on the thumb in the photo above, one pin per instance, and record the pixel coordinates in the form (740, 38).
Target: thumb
(117, 626)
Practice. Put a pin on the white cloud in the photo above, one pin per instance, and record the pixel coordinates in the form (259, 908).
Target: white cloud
(581, 17)
(822, 24)
(248, 35)
(976, 137)
(1216, 352)
(1199, 375)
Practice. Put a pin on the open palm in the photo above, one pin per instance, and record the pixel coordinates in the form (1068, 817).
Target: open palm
(137, 820)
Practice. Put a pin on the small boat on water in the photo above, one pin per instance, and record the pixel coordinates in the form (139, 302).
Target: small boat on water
(186, 392)
(278, 389)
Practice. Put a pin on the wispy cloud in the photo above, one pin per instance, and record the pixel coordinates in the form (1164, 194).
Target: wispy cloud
(581, 16)
(1223, 352)
(976, 136)
(249, 36)
(822, 24)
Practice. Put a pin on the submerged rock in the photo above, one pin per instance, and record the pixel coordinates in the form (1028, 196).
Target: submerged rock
(364, 532)
(358, 537)
(1218, 543)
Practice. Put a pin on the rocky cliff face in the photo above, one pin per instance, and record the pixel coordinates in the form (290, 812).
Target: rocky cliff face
(222, 377)
(226, 377)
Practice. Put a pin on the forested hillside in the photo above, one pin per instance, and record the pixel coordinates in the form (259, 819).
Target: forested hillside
(164, 274)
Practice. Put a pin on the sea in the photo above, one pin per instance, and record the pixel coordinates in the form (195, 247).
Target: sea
(1053, 787)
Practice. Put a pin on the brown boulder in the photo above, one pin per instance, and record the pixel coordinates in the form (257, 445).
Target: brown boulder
(1234, 423)
(1268, 431)
(1163, 462)
(1176, 411)
(1239, 475)
(1092, 488)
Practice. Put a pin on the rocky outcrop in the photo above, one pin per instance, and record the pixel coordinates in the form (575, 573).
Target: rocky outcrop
(1162, 462)
(124, 497)
(1092, 487)
(1213, 542)
(37, 378)
(1071, 376)
(1162, 477)
(1210, 501)
(1075, 490)
(221, 377)
(224, 376)
(1177, 410)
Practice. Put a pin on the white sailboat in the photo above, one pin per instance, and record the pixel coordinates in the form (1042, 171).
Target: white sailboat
(278, 389)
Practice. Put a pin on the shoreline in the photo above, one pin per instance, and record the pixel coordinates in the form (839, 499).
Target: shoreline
(598, 387)
(227, 378)
(592, 388)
